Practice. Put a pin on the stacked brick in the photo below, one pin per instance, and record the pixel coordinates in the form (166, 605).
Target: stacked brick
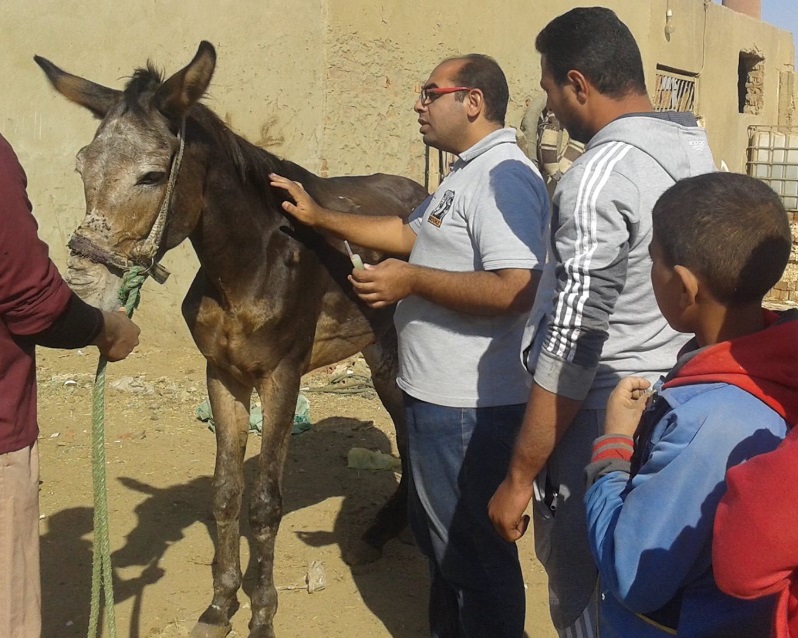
(786, 291)
(754, 87)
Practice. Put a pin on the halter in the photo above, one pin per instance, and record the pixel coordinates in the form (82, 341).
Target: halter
(143, 254)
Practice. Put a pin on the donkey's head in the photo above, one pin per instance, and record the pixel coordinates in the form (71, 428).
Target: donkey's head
(126, 172)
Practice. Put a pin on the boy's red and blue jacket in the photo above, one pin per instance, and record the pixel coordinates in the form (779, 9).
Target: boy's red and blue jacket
(650, 516)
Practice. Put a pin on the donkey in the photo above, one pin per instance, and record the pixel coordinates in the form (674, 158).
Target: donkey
(269, 303)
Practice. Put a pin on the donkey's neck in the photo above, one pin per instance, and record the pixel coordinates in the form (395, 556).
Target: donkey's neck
(243, 239)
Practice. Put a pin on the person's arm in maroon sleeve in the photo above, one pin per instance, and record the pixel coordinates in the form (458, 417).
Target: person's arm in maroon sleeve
(36, 305)
(32, 293)
(755, 541)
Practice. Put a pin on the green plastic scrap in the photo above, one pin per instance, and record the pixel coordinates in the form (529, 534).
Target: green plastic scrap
(301, 416)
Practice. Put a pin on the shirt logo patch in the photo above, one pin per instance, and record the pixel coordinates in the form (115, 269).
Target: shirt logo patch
(436, 216)
(697, 145)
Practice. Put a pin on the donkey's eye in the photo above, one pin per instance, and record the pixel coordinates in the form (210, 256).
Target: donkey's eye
(153, 177)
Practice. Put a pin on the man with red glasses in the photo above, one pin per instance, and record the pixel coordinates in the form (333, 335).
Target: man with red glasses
(476, 248)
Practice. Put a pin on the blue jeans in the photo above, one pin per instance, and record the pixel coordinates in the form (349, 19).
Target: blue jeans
(457, 458)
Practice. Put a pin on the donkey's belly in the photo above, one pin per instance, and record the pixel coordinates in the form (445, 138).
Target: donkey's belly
(341, 331)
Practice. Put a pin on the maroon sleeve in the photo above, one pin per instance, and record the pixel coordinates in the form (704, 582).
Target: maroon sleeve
(755, 542)
(32, 293)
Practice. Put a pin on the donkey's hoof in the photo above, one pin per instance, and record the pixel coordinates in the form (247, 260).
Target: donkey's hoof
(262, 632)
(204, 630)
(361, 553)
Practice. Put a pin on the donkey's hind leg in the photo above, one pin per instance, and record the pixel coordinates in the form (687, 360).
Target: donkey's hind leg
(278, 395)
(392, 517)
(230, 405)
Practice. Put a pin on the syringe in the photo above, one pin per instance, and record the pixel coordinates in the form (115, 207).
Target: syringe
(357, 262)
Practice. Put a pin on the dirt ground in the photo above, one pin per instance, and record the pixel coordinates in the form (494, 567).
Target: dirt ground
(160, 460)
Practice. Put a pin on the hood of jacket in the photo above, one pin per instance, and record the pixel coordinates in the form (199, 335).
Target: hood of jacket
(680, 150)
(764, 364)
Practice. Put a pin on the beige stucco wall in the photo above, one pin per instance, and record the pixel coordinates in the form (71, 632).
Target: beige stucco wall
(378, 53)
(327, 83)
(270, 72)
(728, 33)
(376, 56)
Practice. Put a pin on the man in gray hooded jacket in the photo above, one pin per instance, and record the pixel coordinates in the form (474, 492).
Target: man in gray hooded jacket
(595, 318)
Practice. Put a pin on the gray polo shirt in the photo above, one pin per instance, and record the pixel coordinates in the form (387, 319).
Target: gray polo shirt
(490, 213)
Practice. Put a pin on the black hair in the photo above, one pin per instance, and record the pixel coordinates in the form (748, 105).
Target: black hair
(593, 41)
(730, 230)
(482, 72)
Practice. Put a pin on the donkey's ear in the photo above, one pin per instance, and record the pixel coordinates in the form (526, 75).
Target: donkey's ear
(184, 88)
(95, 97)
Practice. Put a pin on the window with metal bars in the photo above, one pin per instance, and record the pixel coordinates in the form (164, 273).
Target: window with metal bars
(674, 90)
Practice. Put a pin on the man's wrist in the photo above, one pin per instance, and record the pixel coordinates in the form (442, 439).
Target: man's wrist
(319, 218)
(414, 278)
(102, 335)
(519, 478)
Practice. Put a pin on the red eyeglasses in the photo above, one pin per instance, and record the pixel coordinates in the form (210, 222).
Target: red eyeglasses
(429, 94)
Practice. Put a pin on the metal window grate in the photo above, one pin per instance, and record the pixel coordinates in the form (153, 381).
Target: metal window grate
(445, 161)
(773, 158)
(674, 91)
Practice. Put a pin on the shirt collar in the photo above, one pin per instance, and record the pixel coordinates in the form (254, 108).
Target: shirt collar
(502, 136)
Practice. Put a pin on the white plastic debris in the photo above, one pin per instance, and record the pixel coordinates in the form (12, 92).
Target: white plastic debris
(315, 578)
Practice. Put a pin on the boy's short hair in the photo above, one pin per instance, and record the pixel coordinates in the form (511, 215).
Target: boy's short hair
(593, 41)
(730, 230)
(480, 71)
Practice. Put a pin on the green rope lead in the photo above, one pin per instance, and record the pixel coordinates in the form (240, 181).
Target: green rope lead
(101, 572)
(99, 576)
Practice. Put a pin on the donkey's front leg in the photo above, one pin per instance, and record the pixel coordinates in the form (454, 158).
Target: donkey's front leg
(230, 405)
(278, 396)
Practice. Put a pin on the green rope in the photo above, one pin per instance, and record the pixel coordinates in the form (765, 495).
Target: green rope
(101, 572)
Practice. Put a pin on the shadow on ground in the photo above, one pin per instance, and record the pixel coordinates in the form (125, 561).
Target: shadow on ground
(389, 587)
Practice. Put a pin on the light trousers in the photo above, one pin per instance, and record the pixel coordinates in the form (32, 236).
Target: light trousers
(20, 586)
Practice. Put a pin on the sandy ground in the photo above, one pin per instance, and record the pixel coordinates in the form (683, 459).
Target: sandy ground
(160, 459)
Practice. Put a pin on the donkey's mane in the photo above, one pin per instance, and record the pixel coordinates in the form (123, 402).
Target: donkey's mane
(253, 164)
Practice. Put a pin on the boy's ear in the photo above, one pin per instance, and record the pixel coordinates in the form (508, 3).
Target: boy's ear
(690, 287)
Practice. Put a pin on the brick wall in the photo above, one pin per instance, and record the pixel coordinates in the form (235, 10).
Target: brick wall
(786, 291)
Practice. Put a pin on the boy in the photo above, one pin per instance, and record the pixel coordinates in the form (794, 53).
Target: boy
(720, 242)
